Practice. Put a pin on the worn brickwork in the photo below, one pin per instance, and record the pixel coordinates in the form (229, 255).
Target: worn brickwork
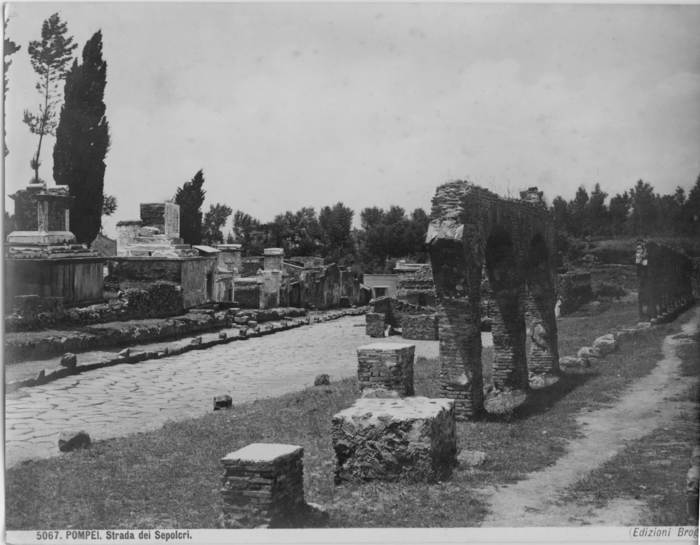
(665, 280)
(473, 229)
(262, 485)
(375, 324)
(420, 327)
(395, 310)
(388, 439)
(574, 290)
(386, 365)
(417, 288)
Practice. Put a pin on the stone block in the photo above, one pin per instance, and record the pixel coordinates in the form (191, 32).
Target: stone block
(589, 353)
(196, 341)
(569, 362)
(471, 458)
(605, 344)
(252, 324)
(421, 327)
(262, 486)
(222, 335)
(125, 353)
(322, 380)
(240, 320)
(386, 365)
(643, 325)
(375, 324)
(72, 440)
(626, 333)
(69, 360)
(223, 402)
(389, 439)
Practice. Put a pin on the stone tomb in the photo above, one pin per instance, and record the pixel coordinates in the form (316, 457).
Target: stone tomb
(388, 439)
(262, 485)
(386, 365)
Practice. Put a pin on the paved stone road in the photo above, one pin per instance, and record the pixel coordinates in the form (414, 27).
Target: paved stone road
(119, 400)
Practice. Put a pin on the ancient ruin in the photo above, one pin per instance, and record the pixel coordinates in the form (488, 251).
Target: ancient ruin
(388, 439)
(665, 281)
(46, 270)
(472, 230)
(386, 365)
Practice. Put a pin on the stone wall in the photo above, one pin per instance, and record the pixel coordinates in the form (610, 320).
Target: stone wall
(417, 288)
(473, 229)
(386, 365)
(395, 310)
(247, 295)
(163, 215)
(574, 289)
(26, 204)
(665, 280)
(154, 300)
(420, 327)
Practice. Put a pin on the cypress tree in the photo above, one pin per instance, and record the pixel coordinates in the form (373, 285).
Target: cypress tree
(190, 197)
(82, 141)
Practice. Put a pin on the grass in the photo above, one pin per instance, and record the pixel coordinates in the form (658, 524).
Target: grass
(169, 478)
(652, 469)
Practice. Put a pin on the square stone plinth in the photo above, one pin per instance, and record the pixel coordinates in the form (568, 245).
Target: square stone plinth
(386, 365)
(389, 439)
(262, 485)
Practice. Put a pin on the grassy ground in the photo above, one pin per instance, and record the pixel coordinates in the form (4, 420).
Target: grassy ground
(653, 468)
(169, 478)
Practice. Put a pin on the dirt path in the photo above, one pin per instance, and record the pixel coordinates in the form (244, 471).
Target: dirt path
(640, 409)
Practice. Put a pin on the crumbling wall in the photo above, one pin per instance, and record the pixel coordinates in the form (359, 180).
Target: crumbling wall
(574, 290)
(471, 229)
(417, 288)
(395, 310)
(247, 295)
(665, 280)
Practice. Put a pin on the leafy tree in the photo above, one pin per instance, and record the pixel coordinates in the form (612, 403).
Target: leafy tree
(560, 213)
(618, 212)
(245, 231)
(109, 205)
(577, 212)
(692, 209)
(82, 142)
(596, 213)
(50, 58)
(298, 233)
(644, 209)
(214, 220)
(190, 197)
(10, 48)
(336, 232)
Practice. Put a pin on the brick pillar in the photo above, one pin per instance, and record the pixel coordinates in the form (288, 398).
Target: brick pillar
(386, 365)
(262, 486)
(543, 360)
(66, 220)
(457, 283)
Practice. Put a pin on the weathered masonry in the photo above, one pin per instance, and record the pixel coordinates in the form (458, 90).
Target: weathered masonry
(473, 230)
(665, 280)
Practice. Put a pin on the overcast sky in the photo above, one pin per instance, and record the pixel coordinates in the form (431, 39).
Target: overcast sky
(292, 105)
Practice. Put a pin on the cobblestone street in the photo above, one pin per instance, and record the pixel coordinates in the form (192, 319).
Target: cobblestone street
(123, 399)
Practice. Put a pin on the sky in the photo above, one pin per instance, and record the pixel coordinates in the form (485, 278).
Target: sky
(291, 105)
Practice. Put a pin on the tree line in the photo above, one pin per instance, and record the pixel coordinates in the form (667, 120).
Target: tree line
(637, 212)
(384, 236)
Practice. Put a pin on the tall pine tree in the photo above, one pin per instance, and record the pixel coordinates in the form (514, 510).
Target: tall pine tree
(190, 197)
(82, 141)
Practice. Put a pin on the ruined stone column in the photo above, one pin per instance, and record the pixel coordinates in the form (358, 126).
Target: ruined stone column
(274, 258)
(43, 216)
(457, 276)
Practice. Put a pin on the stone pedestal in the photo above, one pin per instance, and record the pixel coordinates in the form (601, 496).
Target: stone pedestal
(262, 485)
(389, 439)
(386, 365)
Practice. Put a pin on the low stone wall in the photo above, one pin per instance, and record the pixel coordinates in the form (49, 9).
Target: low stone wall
(375, 324)
(156, 300)
(388, 439)
(574, 290)
(395, 311)
(420, 327)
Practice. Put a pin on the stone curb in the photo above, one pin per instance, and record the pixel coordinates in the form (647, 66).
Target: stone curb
(45, 377)
(640, 329)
